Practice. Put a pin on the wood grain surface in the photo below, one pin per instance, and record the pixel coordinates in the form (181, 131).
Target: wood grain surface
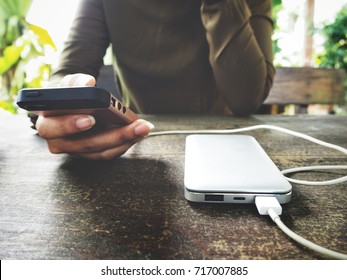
(60, 207)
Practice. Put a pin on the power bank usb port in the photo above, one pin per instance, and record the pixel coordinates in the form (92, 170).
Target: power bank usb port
(214, 197)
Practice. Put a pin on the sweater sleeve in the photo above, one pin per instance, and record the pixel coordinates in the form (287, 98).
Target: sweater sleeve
(239, 37)
(86, 44)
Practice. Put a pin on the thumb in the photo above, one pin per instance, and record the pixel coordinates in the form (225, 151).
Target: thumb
(75, 80)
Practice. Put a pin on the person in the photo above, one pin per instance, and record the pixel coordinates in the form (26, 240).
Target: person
(170, 56)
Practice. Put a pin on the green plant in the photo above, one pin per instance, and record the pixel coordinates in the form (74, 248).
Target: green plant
(335, 47)
(23, 52)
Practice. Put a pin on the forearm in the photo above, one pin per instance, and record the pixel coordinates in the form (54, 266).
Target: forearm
(86, 44)
(240, 51)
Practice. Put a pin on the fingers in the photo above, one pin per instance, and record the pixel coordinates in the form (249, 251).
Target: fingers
(102, 145)
(58, 126)
(62, 126)
(78, 79)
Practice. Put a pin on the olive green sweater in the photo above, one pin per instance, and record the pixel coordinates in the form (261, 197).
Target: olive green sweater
(177, 56)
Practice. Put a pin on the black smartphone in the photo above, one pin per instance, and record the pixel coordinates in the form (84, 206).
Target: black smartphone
(107, 110)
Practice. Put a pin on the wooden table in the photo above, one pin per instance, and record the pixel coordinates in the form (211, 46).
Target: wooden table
(59, 207)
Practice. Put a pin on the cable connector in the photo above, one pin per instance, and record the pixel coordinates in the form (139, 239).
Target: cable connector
(264, 203)
(270, 206)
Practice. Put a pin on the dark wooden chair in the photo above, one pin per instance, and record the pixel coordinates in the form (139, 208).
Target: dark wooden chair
(304, 86)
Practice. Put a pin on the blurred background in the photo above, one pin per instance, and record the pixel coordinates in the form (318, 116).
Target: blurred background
(308, 33)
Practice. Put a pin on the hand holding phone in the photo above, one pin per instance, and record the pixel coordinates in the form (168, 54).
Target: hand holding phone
(64, 123)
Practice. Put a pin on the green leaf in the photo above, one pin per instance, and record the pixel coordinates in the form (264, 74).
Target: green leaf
(10, 57)
(8, 106)
(43, 36)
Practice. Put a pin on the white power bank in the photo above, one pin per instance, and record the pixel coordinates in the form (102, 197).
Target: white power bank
(230, 169)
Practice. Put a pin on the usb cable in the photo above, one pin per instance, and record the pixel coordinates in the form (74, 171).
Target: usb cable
(270, 206)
